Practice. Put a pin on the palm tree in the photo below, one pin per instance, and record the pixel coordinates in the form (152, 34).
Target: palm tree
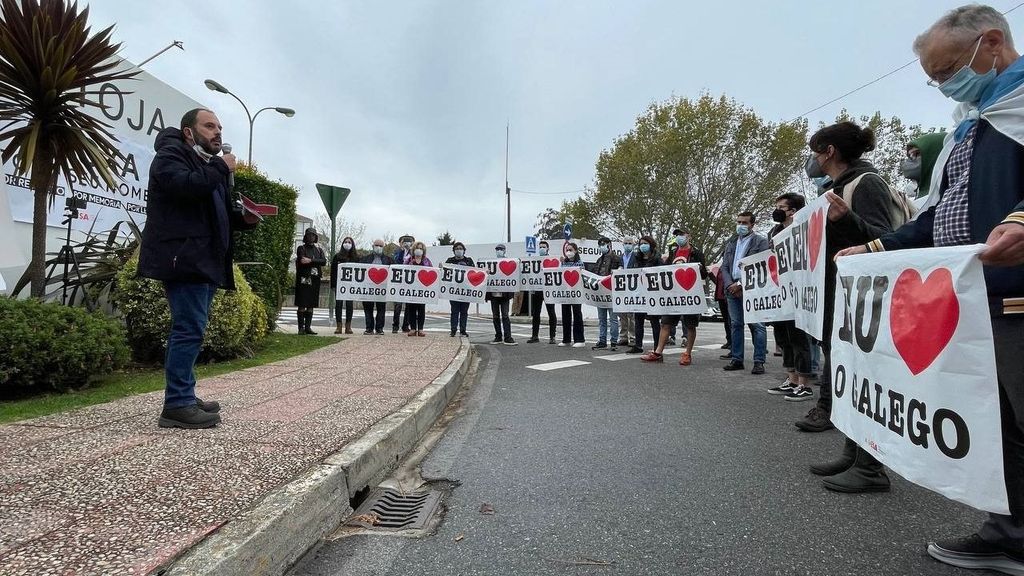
(48, 60)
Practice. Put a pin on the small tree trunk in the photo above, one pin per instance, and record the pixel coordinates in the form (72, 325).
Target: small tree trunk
(37, 268)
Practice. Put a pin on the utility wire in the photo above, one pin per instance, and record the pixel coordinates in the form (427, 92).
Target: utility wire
(882, 77)
(550, 193)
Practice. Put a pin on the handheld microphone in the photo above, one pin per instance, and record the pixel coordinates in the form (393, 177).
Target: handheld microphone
(226, 148)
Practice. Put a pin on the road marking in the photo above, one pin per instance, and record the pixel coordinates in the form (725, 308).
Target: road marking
(557, 365)
(617, 357)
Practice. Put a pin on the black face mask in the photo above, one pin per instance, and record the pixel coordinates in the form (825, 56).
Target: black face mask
(779, 215)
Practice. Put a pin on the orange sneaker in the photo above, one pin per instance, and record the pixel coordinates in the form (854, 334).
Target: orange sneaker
(652, 356)
(684, 359)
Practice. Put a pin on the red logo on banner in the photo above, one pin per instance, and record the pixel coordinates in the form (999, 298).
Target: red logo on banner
(550, 263)
(816, 231)
(923, 316)
(571, 277)
(607, 282)
(427, 277)
(474, 277)
(507, 267)
(686, 277)
(377, 275)
(773, 268)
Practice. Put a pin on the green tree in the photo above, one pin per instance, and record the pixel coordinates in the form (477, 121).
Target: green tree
(551, 224)
(695, 163)
(48, 60)
(445, 239)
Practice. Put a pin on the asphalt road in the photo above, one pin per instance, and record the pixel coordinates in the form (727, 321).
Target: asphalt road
(651, 469)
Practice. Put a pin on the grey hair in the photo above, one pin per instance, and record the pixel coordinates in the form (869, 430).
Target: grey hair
(966, 23)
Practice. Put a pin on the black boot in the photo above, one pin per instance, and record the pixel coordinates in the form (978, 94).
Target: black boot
(309, 322)
(302, 321)
(841, 464)
(866, 475)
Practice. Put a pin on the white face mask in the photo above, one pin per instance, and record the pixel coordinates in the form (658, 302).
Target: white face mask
(346, 246)
(417, 253)
(499, 253)
(378, 249)
(570, 254)
(460, 253)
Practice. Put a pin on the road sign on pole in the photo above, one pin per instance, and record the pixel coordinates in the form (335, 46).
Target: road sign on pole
(531, 244)
(333, 198)
(567, 231)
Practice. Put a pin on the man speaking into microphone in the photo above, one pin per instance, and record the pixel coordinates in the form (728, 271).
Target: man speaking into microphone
(187, 245)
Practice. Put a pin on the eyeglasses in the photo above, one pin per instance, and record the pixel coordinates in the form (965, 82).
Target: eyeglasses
(944, 75)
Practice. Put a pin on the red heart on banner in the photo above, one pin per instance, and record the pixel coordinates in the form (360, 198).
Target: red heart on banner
(773, 268)
(923, 316)
(427, 277)
(816, 235)
(377, 275)
(474, 277)
(550, 263)
(686, 277)
(508, 267)
(571, 277)
(607, 282)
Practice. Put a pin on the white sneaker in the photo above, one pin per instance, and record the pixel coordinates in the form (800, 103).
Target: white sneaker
(783, 389)
(560, 344)
(579, 345)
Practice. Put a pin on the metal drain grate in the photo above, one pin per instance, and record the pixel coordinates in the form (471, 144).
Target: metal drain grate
(389, 510)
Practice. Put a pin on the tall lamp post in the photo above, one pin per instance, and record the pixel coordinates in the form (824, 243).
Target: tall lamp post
(218, 87)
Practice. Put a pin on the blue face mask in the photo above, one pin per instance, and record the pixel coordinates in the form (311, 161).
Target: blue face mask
(645, 248)
(627, 248)
(543, 252)
(682, 240)
(967, 85)
(603, 248)
(460, 253)
(742, 229)
(499, 253)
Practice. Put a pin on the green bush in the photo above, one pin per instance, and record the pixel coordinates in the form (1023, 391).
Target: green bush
(272, 242)
(237, 325)
(54, 347)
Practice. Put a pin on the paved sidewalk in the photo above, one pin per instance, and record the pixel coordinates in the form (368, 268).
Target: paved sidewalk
(102, 490)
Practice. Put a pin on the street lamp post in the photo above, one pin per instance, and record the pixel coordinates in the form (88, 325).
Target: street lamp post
(218, 87)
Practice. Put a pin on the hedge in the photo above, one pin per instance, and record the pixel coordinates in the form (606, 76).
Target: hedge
(53, 347)
(237, 325)
(272, 242)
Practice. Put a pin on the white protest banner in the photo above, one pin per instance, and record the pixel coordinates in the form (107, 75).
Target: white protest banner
(365, 282)
(463, 283)
(414, 284)
(800, 248)
(764, 299)
(503, 274)
(597, 290)
(563, 285)
(914, 373)
(533, 268)
(675, 289)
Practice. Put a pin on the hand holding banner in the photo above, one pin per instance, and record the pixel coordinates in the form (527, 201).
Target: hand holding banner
(913, 370)
(597, 290)
(533, 271)
(800, 248)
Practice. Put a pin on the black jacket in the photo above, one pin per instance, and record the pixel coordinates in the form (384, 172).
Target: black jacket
(316, 256)
(464, 261)
(384, 258)
(341, 257)
(994, 193)
(638, 260)
(189, 216)
(606, 263)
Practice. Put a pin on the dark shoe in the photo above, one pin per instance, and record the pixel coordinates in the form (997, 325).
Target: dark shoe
(348, 327)
(800, 394)
(533, 340)
(726, 356)
(816, 420)
(509, 341)
(497, 340)
(405, 330)
(671, 342)
(463, 334)
(552, 341)
(309, 323)
(840, 464)
(623, 343)
(452, 334)
(758, 368)
(394, 329)
(726, 346)
(380, 332)
(340, 328)
(974, 553)
(783, 389)
(368, 332)
(733, 366)
(211, 406)
(635, 350)
(599, 346)
(859, 478)
(190, 417)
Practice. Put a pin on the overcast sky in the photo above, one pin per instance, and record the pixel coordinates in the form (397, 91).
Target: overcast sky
(405, 102)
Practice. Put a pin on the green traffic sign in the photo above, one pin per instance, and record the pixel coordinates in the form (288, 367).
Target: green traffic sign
(333, 197)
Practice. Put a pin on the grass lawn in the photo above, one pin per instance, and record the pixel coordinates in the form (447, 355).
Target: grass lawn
(136, 381)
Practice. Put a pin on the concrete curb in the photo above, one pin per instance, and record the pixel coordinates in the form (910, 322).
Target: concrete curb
(272, 536)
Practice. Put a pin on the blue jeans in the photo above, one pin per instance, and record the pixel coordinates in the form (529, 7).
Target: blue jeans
(757, 332)
(190, 309)
(602, 326)
(460, 315)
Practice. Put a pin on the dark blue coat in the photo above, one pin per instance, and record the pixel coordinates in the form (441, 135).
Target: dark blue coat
(189, 216)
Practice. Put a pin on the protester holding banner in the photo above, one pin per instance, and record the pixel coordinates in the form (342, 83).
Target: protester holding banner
(683, 253)
(627, 326)
(606, 262)
(648, 257)
(537, 302)
(499, 309)
(922, 153)
(677, 246)
(376, 311)
(572, 314)
(978, 197)
(346, 254)
(417, 312)
(741, 244)
(795, 343)
(187, 245)
(309, 260)
(460, 310)
(405, 242)
(723, 307)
